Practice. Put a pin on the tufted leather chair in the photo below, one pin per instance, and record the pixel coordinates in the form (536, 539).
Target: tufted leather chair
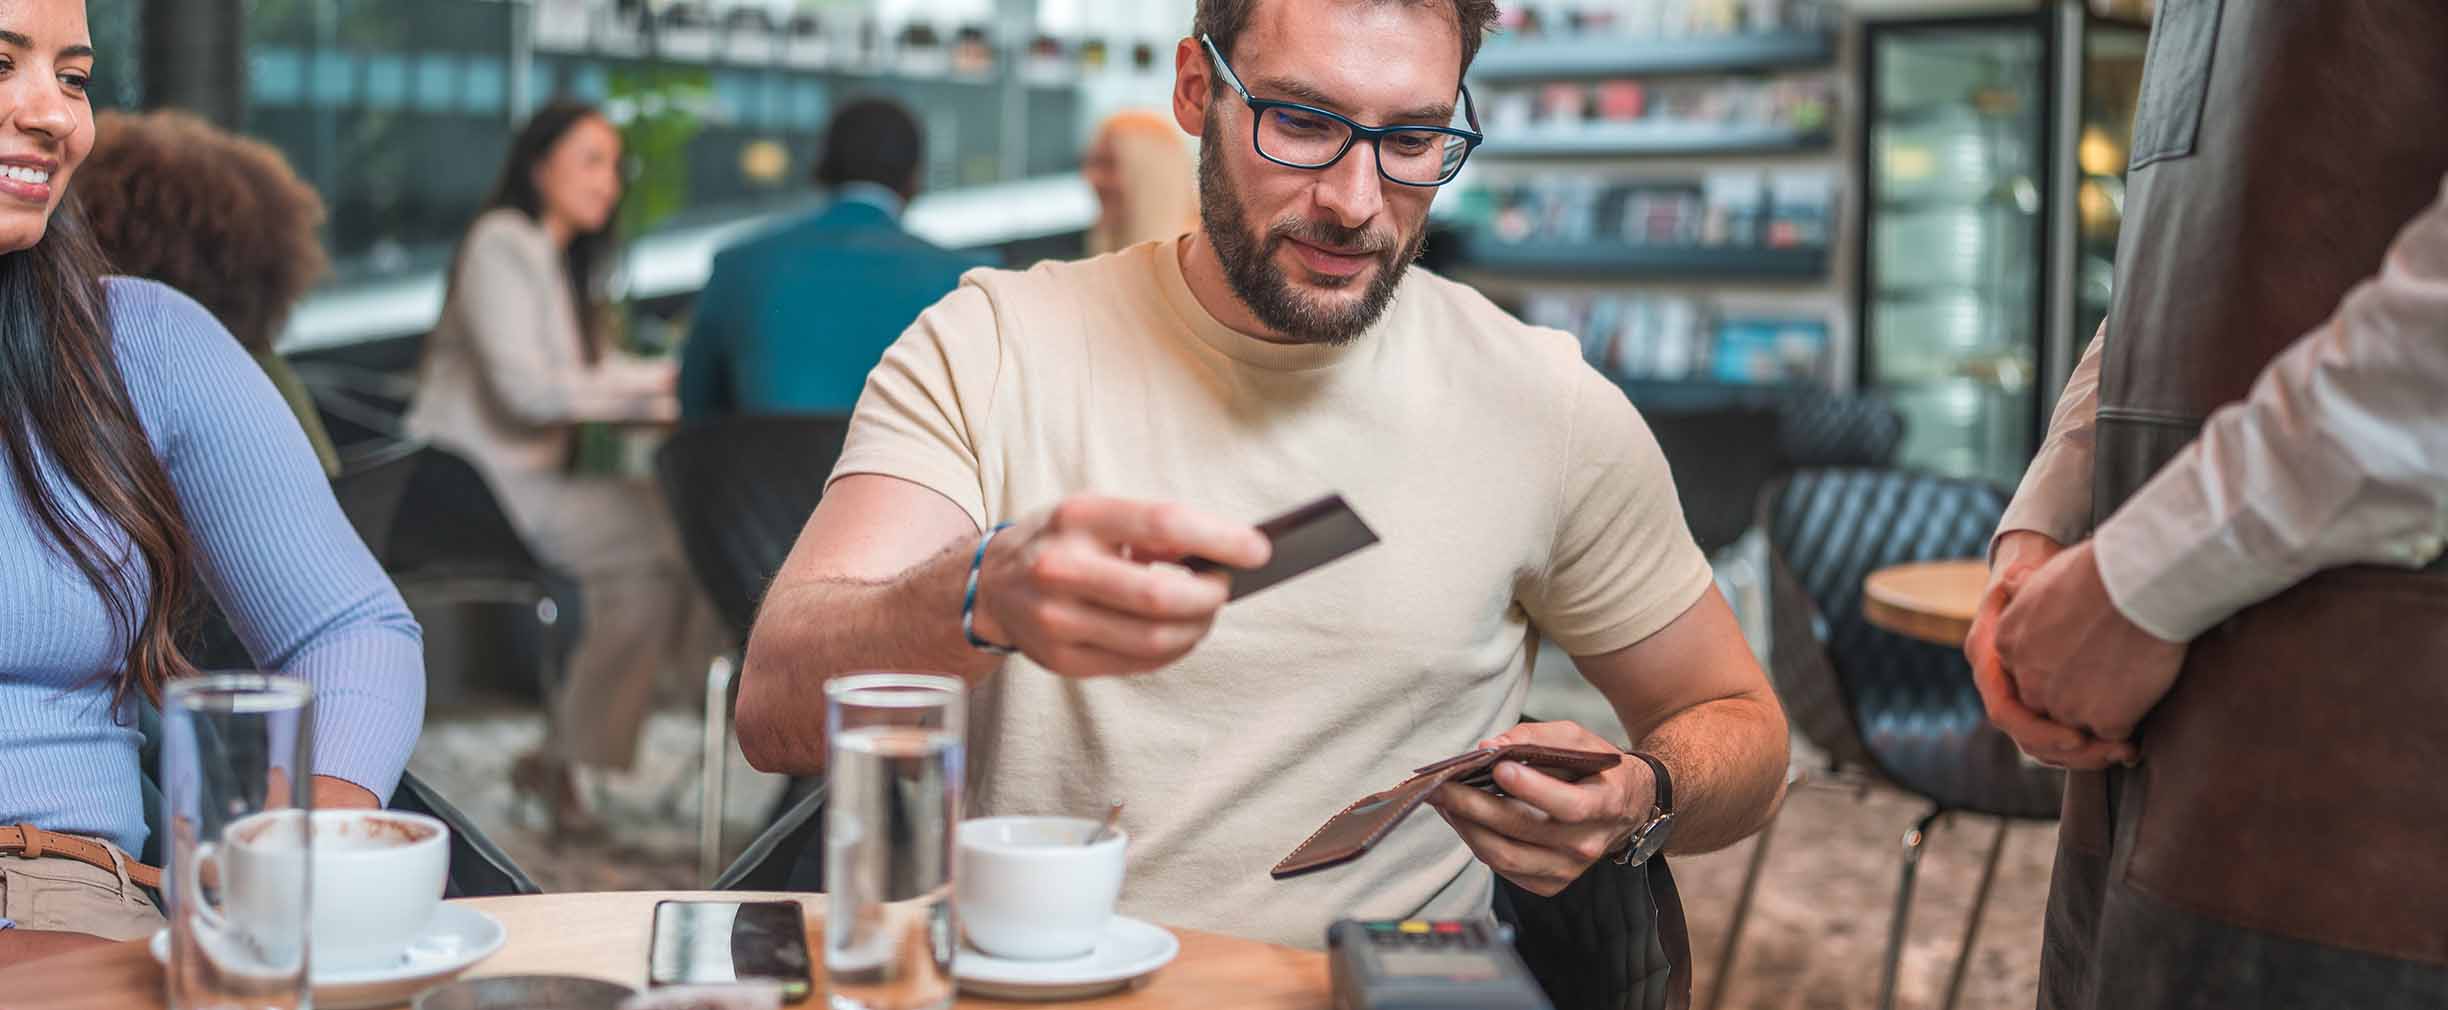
(740, 489)
(1914, 713)
(1903, 711)
(1822, 428)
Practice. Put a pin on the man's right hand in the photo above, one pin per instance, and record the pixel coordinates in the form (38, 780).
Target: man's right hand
(2017, 555)
(1089, 588)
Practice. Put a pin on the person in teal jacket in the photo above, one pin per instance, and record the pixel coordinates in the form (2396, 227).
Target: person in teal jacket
(792, 319)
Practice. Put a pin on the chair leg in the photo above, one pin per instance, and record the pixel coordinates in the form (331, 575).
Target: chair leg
(548, 666)
(717, 758)
(1980, 903)
(1742, 912)
(1903, 906)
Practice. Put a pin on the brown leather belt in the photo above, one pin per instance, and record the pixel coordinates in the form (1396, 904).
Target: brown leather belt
(32, 842)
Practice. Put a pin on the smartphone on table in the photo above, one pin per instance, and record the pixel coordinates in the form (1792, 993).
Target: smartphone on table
(719, 942)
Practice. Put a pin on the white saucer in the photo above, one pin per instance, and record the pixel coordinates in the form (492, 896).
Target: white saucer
(1130, 950)
(455, 939)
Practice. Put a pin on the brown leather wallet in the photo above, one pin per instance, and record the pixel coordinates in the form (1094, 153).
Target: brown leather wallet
(1352, 832)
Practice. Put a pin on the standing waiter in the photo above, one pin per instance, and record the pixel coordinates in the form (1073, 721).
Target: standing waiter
(2246, 662)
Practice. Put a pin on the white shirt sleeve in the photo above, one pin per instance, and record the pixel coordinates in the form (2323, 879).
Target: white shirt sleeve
(2054, 499)
(2339, 456)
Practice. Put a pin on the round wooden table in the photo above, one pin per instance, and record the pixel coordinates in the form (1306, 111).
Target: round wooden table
(1929, 600)
(605, 936)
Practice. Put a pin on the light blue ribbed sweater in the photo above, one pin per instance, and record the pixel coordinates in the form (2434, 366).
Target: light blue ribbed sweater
(298, 586)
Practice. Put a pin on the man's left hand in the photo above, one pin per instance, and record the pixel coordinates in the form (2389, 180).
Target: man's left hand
(2075, 658)
(1547, 831)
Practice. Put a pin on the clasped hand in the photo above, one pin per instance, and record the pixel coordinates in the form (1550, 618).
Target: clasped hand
(2059, 668)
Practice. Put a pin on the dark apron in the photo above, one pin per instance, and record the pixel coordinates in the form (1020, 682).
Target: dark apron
(2284, 842)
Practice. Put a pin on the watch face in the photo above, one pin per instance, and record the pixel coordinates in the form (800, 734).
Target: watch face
(1653, 838)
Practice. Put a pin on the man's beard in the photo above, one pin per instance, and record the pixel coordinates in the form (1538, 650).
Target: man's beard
(1249, 260)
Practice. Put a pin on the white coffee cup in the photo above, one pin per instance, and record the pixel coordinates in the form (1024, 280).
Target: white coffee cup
(378, 878)
(1026, 889)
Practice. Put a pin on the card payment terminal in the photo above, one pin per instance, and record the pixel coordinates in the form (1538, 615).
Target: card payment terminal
(1429, 965)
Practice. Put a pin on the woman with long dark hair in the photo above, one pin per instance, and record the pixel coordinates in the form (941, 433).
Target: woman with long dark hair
(518, 361)
(145, 460)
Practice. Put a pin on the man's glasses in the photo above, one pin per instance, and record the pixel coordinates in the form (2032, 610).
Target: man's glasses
(1307, 137)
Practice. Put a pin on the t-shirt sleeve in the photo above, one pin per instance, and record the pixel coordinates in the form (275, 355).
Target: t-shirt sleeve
(924, 409)
(1623, 563)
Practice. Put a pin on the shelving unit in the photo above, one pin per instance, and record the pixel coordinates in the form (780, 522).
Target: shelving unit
(1659, 140)
(1723, 282)
(1618, 261)
(1548, 58)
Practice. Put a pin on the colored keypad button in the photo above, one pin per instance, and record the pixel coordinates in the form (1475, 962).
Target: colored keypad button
(1449, 927)
(1414, 926)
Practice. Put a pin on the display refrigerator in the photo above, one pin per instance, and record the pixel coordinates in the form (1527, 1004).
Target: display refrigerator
(1991, 165)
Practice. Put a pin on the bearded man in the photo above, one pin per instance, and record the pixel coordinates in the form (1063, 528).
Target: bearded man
(1127, 411)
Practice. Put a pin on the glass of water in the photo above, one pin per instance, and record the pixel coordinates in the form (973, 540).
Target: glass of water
(893, 795)
(235, 800)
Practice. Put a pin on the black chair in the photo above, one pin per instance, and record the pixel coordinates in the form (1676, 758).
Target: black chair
(1818, 428)
(740, 489)
(1613, 940)
(478, 868)
(1901, 711)
(1721, 457)
(787, 856)
(434, 524)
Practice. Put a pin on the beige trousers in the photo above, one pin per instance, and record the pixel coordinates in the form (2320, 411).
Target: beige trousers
(645, 622)
(68, 896)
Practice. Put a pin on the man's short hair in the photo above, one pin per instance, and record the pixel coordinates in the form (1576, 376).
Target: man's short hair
(872, 140)
(1223, 20)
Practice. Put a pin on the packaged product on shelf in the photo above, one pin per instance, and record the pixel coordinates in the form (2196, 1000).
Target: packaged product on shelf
(1621, 100)
(1734, 200)
(1677, 352)
(1508, 110)
(1768, 351)
(1563, 103)
(1801, 211)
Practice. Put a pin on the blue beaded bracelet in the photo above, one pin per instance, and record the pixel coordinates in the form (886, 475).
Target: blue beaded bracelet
(969, 599)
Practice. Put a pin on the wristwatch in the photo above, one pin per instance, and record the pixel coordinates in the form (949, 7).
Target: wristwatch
(1650, 839)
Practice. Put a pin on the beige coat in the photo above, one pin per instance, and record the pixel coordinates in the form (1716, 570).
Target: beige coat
(503, 378)
(504, 384)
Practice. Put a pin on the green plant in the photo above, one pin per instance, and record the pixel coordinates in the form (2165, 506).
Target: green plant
(658, 112)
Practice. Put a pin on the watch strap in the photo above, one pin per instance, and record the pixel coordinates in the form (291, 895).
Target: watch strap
(1661, 801)
(1665, 781)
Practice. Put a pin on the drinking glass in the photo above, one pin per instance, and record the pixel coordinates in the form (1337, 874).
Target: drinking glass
(893, 781)
(235, 800)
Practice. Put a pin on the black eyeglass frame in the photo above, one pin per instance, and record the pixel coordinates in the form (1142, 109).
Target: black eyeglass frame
(1471, 138)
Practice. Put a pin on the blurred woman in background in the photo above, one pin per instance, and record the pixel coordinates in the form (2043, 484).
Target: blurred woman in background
(144, 460)
(221, 218)
(1145, 181)
(522, 357)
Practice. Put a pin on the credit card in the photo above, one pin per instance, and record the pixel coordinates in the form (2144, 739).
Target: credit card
(1304, 538)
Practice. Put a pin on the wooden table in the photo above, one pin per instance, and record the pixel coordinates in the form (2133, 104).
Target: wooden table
(1930, 600)
(605, 936)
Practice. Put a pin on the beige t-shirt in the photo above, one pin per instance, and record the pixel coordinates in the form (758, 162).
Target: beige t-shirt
(1511, 486)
